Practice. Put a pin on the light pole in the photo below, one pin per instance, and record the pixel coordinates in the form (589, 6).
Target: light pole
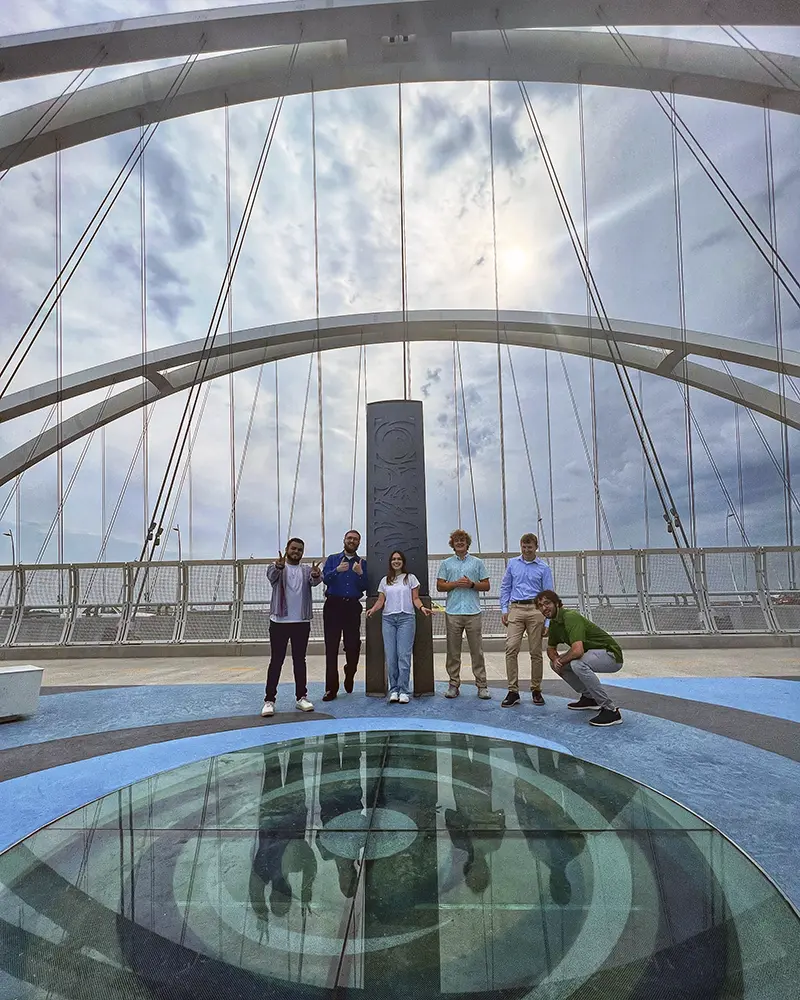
(180, 550)
(13, 550)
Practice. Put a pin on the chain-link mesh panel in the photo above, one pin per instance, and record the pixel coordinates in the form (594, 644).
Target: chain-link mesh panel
(565, 577)
(212, 602)
(612, 595)
(8, 598)
(256, 592)
(783, 585)
(46, 606)
(671, 588)
(733, 592)
(156, 603)
(101, 605)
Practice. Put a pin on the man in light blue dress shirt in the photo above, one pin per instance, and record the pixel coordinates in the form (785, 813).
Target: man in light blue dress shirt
(463, 577)
(524, 578)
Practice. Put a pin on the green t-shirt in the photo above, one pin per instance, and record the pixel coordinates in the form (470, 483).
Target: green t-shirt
(570, 626)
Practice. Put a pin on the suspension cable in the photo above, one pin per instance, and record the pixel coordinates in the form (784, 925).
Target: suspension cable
(753, 231)
(278, 456)
(49, 114)
(674, 524)
(300, 442)
(681, 277)
(403, 246)
(143, 289)
(549, 453)
(503, 493)
(320, 410)
(527, 448)
(156, 528)
(59, 317)
(778, 318)
(231, 386)
(469, 449)
(455, 428)
(58, 519)
(45, 309)
(595, 466)
(355, 435)
(762, 437)
(245, 447)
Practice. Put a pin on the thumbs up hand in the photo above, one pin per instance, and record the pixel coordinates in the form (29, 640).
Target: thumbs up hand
(357, 567)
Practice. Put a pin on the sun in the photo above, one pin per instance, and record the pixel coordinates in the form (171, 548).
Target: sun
(515, 259)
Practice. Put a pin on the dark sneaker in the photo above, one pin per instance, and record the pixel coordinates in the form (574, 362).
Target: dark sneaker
(348, 684)
(329, 696)
(512, 698)
(538, 698)
(606, 717)
(582, 704)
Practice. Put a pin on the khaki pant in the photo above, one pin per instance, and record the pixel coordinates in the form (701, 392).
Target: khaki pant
(456, 626)
(524, 618)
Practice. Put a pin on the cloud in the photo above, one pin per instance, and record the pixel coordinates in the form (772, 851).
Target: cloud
(448, 216)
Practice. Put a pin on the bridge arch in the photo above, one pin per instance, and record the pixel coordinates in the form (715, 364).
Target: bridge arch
(659, 350)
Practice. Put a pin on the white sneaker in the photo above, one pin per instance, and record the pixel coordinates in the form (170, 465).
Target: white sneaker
(304, 704)
(268, 709)
(394, 696)
(403, 698)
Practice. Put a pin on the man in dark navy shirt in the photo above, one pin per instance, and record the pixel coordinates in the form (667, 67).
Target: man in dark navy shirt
(345, 579)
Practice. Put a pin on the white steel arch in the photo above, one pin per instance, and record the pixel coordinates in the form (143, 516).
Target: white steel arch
(366, 24)
(659, 350)
(720, 72)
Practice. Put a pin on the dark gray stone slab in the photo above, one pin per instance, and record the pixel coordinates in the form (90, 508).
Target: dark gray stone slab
(397, 519)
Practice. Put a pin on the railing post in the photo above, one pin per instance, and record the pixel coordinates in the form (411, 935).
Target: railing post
(182, 607)
(238, 600)
(699, 565)
(640, 572)
(583, 583)
(19, 604)
(762, 588)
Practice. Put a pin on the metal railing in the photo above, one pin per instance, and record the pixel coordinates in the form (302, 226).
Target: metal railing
(627, 592)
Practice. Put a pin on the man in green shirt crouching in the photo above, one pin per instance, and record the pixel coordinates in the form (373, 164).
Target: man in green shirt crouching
(591, 651)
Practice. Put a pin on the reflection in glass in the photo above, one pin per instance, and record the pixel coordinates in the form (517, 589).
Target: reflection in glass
(402, 864)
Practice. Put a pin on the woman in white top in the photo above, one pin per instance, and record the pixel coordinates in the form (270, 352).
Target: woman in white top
(398, 595)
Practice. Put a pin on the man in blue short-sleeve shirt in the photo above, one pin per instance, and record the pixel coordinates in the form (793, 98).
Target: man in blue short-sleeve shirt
(463, 578)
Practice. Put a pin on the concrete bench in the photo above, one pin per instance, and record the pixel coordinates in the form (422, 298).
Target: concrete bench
(19, 691)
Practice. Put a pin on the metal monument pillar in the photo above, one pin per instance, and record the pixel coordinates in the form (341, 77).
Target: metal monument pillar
(397, 519)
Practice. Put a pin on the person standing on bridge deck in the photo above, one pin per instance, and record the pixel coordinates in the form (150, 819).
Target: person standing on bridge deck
(463, 577)
(524, 578)
(345, 577)
(290, 620)
(591, 651)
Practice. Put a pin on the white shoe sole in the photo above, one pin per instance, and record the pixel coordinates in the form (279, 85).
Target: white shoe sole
(605, 725)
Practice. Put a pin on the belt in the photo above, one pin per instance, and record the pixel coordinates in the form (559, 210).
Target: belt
(337, 597)
(528, 600)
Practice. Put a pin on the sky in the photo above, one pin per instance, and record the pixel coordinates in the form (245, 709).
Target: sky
(450, 265)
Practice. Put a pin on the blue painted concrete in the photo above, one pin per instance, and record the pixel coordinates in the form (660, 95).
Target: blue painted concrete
(763, 695)
(748, 793)
(29, 802)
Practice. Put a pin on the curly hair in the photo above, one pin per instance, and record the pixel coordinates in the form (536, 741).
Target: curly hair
(549, 595)
(459, 532)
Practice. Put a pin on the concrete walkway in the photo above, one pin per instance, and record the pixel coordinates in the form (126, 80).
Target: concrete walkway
(250, 669)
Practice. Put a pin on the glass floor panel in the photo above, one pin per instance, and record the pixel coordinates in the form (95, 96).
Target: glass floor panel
(390, 865)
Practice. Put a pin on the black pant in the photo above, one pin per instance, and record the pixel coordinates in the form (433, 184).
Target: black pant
(279, 635)
(341, 617)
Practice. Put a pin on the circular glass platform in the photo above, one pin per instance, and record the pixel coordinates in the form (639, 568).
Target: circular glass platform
(386, 865)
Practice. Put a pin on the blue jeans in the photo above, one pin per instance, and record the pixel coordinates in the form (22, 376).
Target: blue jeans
(398, 641)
